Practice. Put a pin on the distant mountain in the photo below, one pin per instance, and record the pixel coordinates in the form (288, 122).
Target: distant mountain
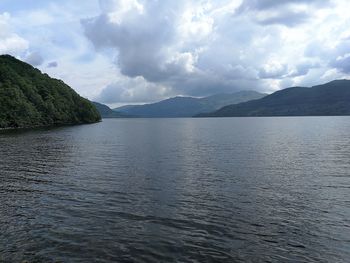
(29, 98)
(125, 108)
(330, 99)
(107, 112)
(188, 106)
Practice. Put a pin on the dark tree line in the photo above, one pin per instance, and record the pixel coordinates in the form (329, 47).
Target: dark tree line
(29, 98)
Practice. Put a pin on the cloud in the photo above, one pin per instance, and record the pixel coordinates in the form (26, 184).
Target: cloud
(165, 43)
(342, 63)
(303, 69)
(132, 90)
(35, 59)
(271, 4)
(199, 48)
(273, 70)
(142, 33)
(289, 13)
(10, 43)
(53, 64)
(341, 56)
(288, 18)
(147, 38)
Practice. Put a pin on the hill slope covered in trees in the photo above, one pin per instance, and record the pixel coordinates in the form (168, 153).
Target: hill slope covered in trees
(330, 99)
(29, 98)
(107, 112)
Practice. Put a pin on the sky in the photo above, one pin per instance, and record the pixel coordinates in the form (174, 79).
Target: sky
(138, 51)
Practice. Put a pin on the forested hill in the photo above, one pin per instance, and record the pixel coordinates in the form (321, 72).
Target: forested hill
(29, 98)
(330, 99)
(107, 112)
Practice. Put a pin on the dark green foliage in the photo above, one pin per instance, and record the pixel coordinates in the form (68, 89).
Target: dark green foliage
(107, 112)
(188, 106)
(331, 99)
(29, 98)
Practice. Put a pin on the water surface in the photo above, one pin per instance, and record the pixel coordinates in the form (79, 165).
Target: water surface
(178, 190)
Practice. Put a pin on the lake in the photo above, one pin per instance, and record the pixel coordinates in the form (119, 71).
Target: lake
(178, 190)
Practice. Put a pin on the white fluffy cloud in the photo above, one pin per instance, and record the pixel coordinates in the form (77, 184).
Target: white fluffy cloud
(10, 43)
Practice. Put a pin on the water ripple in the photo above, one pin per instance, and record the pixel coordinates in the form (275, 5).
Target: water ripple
(177, 190)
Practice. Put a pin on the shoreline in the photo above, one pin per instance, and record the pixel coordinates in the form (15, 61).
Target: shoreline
(44, 126)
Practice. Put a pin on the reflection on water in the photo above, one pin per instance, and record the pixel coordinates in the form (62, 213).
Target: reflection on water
(178, 190)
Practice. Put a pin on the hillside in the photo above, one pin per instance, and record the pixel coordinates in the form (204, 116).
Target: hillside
(188, 106)
(330, 99)
(107, 112)
(29, 98)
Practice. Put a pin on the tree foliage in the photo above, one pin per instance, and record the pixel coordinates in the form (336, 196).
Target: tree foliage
(29, 98)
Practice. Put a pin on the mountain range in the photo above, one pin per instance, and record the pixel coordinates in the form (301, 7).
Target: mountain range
(187, 106)
(330, 99)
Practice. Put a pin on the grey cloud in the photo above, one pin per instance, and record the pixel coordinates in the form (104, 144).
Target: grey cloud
(341, 57)
(132, 90)
(288, 18)
(270, 12)
(342, 64)
(315, 49)
(53, 64)
(142, 39)
(273, 72)
(303, 69)
(146, 46)
(283, 71)
(337, 57)
(34, 59)
(343, 48)
(247, 5)
(158, 60)
(209, 85)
